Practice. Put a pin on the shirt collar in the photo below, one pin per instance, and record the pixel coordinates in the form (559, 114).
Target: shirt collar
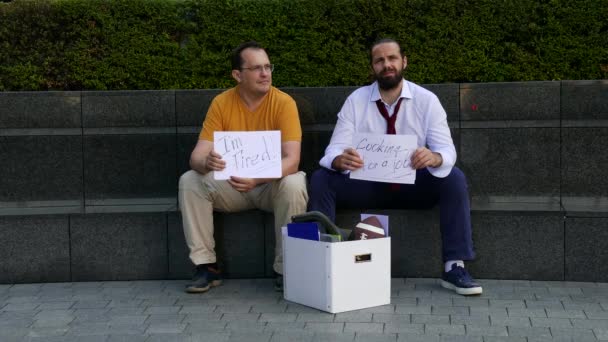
(375, 95)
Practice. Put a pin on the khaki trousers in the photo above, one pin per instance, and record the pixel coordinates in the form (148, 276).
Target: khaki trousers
(200, 194)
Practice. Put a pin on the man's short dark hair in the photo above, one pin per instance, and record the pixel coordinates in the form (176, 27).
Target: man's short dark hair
(383, 41)
(237, 59)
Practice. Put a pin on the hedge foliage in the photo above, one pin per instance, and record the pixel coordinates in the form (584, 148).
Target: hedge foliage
(184, 44)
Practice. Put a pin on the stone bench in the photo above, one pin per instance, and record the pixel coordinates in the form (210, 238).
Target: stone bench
(88, 183)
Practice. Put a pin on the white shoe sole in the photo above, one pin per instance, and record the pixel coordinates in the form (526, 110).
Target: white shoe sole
(462, 291)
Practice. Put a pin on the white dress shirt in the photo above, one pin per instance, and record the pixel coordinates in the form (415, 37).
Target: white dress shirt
(421, 114)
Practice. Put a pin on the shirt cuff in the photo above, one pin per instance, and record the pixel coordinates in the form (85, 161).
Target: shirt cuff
(328, 158)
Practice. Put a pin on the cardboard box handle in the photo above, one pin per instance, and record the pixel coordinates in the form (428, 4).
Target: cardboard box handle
(363, 258)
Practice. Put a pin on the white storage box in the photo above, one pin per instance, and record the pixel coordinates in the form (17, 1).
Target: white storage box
(339, 276)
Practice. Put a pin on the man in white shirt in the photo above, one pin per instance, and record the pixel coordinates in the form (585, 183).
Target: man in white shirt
(392, 105)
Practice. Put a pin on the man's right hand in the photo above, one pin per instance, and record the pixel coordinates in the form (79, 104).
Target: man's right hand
(214, 162)
(349, 160)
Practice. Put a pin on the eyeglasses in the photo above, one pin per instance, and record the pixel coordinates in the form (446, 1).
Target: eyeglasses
(259, 68)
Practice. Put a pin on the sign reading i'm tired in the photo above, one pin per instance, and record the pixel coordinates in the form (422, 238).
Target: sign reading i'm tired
(254, 154)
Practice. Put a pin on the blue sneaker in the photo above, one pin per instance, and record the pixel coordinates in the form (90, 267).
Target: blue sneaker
(204, 278)
(459, 280)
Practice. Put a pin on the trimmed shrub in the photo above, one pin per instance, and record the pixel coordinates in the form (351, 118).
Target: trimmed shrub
(185, 44)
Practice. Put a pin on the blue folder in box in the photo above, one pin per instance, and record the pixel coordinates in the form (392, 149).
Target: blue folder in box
(304, 230)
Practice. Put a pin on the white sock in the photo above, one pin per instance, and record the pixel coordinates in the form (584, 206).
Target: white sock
(448, 264)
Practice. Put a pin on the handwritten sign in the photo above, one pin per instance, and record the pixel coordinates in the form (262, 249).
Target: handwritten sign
(254, 154)
(386, 158)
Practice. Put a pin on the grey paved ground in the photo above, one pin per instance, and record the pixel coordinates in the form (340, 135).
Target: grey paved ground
(250, 310)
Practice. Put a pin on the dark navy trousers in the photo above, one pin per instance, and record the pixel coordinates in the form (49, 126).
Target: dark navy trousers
(331, 189)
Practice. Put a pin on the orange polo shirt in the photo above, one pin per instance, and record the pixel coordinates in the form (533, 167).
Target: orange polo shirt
(277, 111)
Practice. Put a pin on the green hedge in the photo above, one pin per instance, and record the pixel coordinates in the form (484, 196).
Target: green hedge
(183, 44)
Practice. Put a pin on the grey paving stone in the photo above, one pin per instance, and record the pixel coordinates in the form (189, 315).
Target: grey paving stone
(470, 320)
(353, 316)
(364, 327)
(444, 329)
(551, 322)
(166, 328)
(516, 304)
(89, 328)
(590, 323)
(601, 334)
(139, 319)
(315, 317)
(278, 317)
(69, 338)
(127, 338)
(529, 331)
(233, 308)
(125, 311)
(55, 305)
(249, 336)
(42, 314)
(436, 301)
(53, 322)
(430, 319)
(403, 328)
(198, 317)
(165, 318)
(582, 306)
(552, 313)
(12, 332)
(16, 322)
(596, 314)
(47, 332)
(565, 290)
(527, 312)
(406, 309)
(477, 330)
(162, 310)
(544, 304)
(324, 327)
(206, 326)
(504, 339)
(268, 308)
(379, 309)
(289, 336)
(285, 327)
(240, 317)
(391, 318)
(246, 326)
(411, 301)
(293, 307)
(486, 311)
(460, 338)
(513, 321)
(322, 336)
(375, 337)
(575, 334)
(417, 338)
(20, 307)
(450, 310)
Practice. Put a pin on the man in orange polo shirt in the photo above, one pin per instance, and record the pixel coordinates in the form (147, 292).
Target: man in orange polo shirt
(253, 105)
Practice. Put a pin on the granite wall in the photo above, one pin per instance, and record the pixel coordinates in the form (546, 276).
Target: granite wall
(88, 183)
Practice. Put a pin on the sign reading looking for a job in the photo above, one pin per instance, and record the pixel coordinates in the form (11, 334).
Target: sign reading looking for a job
(386, 157)
(254, 154)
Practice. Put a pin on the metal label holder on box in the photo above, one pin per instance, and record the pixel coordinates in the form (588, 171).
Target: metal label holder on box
(339, 276)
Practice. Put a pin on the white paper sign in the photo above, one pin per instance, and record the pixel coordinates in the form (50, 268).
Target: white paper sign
(253, 154)
(386, 157)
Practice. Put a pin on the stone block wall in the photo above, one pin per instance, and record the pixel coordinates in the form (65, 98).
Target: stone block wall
(88, 183)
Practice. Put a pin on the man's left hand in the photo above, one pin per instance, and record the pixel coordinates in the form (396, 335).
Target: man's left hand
(423, 157)
(242, 184)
